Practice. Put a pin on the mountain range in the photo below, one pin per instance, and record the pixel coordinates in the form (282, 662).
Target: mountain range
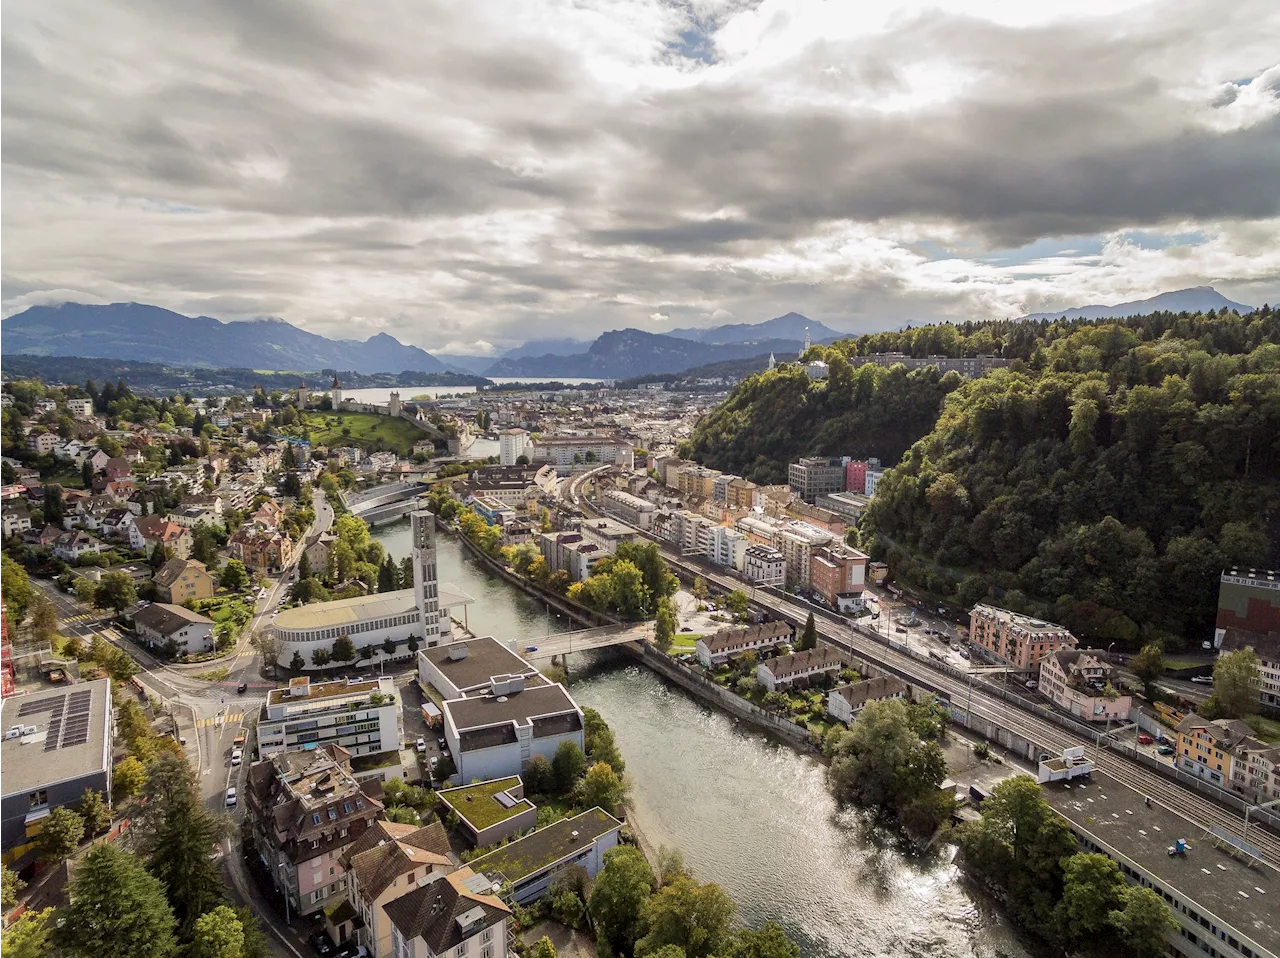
(151, 334)
(622, 353)
(1195, 299)
(792, 326)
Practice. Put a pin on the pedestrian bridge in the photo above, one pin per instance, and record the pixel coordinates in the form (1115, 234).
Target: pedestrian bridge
(584, 640)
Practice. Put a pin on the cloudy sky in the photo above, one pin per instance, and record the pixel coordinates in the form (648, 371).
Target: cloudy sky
(467, 175)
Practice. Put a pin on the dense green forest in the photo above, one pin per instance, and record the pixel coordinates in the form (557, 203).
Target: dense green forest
(777, 416)
(1103, 480)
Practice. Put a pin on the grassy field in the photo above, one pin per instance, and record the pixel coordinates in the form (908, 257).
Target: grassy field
(684, 642)
(1266, 729)
(363, 429)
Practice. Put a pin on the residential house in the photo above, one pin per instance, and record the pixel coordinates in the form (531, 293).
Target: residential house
(269, 515)
(764, 565)
(457, 915)
(70, 546)
(385, 863)
(118, 469)
(191, 516)
(783, 671)
(1206, 747)
(1079, 681)
(318, 551)
(261, 550)
(1255, 770)
(160, 623)
(118, 524)
(1015, 639)
(15, 519)
(181, 580)
(149, 531)
(303, 810)
(846, 701)
(721, 646)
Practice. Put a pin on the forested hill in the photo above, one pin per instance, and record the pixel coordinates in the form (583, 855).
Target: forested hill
(1103, 480)
(777, 416)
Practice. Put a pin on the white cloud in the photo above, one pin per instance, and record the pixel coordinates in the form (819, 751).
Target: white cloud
(463, 175)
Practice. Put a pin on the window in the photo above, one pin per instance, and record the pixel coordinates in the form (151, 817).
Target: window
(460, 950)
(38, 799)
(332, 814)
(487, 935)
(315, 818)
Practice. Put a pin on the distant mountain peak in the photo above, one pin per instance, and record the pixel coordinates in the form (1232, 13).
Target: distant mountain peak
(788, 326)
(1193, 299)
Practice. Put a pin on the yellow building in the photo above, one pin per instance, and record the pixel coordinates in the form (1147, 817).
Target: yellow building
(1206, 747)
(181, 579)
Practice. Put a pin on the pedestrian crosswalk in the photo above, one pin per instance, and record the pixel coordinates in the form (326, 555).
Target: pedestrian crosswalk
(83, 617)
(229, 719)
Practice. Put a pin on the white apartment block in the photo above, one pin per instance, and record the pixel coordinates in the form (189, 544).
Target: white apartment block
(797, 542)
(724, 546)
(361, 716)
(764, 565)
(630, 509)
(512, 444)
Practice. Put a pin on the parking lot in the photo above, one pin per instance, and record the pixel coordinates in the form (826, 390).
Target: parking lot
(415, 726)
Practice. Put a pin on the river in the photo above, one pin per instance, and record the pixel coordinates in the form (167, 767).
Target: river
(749, 813)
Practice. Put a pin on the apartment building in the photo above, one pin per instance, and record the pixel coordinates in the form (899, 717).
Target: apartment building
(361, 716)
(512, 444)
(838, 575)
(784, 671)
(815, 476)
(741, 493)
(718, 648)
(1207, 747)
(1077, 680)
(303, 810)
(569, 552)
(457, 915)
(764, 565)
(723, 546)
(607, 534)
(570, 452)
(1267, 648)
(696, 481)
(1011, 638)
(720, 486)
(846, 701)
(630, 509)
(799, 542)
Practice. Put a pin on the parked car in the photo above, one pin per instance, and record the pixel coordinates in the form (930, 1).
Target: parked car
(237, 756)
(900, 628)
(422, 745)
(322, 944)
(231, 798)
(1145, 739)
(531, 648)
(685, 628)
(1166, 750)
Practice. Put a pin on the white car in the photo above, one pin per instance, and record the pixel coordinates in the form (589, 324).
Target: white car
(1202, 679)
(421, 746)
(237, 756)
(231, 798)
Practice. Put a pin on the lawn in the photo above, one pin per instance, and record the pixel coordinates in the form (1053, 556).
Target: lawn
(215, 675)
(363, 429)
(684, 642)
(1265, 728)
(476, 803)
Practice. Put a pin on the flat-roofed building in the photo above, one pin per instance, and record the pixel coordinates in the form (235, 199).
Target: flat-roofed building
(568, 453)
(1248, 599)
(849, 505)
(798, 542)
(62, 744)
(1015, 639)
(815, 476)
(1223, 903)
(494, 734)
(697, 481)
(528, 866)
(607, 534)
(491, 811)
(512, 444)
(469, 666)
(630, 509)
(361, 716)
(838, 576)
(764, 565)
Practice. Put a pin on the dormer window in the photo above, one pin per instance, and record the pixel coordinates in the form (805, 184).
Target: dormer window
(315, 818)
(346, 807)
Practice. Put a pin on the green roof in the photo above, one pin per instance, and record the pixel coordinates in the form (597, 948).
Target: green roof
(478, 804)
(542, 849)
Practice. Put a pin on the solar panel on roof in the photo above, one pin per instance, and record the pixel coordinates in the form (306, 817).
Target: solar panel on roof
(41, 705)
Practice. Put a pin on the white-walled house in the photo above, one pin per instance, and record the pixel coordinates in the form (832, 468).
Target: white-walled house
(160, 622)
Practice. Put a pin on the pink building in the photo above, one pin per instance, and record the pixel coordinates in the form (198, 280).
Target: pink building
(855, 477)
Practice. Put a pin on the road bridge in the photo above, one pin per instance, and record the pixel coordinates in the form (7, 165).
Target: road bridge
(585, 640)
(367, 502)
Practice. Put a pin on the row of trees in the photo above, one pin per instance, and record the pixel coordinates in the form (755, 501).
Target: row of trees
(1079, 902)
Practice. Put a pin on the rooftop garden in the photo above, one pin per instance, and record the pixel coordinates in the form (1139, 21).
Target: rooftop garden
(478, 804)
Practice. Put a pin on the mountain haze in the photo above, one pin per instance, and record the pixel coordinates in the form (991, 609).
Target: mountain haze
(790, 326)
(150, 334)
(1196, 299)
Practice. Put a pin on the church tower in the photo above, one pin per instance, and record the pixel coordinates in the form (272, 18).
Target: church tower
(426, 592)
(393, 406)
(806, 342)
(772, 362)
(335, 393)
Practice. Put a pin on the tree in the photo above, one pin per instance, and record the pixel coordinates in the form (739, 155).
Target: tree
(344, 650)
(1092, 887)
(297, 663)
(174, 832)
(602, 787)
(664, 625)
(158, 556)
(770, 941)
(218, 934)
(539, 777)
(115, 591)
(320, 658)
(568, 765)
(18, 591)
(10, 887)
(809, 637)
(129, 777)
(691, 916)
(54, 507)
(117, 909)
(618, 897)
(1143, 922)
(60, 835)
(267, 642)
(233, 576)
(1148, 665)
(737, 603)
(542, 948)
(44, 619)
(387, 575)
(388, 646)
(699, 588)
(1235, 684)
(603, 748)
(31, 936)
(94, 811)
(304, 567)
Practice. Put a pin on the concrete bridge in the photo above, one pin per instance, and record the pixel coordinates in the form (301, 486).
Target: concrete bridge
(363, 504)
(585, 640)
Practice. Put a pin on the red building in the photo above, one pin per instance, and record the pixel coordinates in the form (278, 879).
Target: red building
(839, 574)
(1248, 599)
(855, 477)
